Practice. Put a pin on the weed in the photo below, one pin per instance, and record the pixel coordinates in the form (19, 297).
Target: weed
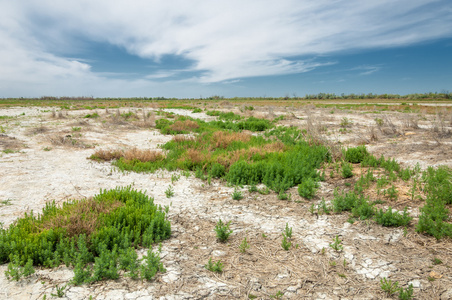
(223, 231)
(237, 195)
(169, 192)
(6, 202)
(406, 294)
(285, 244)
(278, 295)
(346, 122)
(388, 286)
(264, 191)
(307, 188)
(392, 193)
(244, 245)
(356, 155)
(75, 129)
(47, 148)
(288, 231)
(392, 219)
(283, 196)
(323, 207)
(347, 170)
(252, 188)
(214, 266)
(151, 266)
(15, 271)
(341, 275)
(337, 244)
(174, 178)
(437, 261)
(92, 116)
(60, 291)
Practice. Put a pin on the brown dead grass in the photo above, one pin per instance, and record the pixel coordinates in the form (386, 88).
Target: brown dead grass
(143, 155)
(107, 155)
(68, 141)
(10, 143)
(81, 216)
(129, 155)
(222, 139)
(186, 125)
(196, 156)
(182, 138)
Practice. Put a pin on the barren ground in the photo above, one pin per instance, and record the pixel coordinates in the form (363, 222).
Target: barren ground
(40, 163)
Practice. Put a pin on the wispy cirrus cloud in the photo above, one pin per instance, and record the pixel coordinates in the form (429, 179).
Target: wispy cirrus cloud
(222, 40)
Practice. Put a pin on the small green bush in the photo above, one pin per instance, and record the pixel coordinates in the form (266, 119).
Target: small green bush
(347, 170)
(392, 219)
(356, 155)
(307, 188)
(223, 231)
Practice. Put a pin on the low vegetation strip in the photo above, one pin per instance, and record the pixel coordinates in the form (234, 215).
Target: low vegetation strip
(280, 160)
(103, 230)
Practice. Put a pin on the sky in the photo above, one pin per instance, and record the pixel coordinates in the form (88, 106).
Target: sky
(234, 48)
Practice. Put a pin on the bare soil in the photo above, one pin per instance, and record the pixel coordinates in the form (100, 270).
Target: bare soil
(44, 158)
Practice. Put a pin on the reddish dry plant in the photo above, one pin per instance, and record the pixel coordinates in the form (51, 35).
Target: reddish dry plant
(132, 154)
(107, 155)
(187, 125)
(143, 155)
(196, 156)
(222, 139)
(80, 217)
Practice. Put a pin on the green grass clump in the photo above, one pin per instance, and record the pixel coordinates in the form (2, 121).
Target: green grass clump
(223, 116)
(100, 230)
(92, 116)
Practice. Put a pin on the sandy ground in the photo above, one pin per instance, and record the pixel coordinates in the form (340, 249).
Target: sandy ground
(39, 170)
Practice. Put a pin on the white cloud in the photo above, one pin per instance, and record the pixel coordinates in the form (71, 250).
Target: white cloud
(225, 40)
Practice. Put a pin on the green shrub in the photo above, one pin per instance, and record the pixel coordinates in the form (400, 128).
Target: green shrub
(223, 231)
(307, 188)
(392, 219)
(347, 170)
(113, 221)
(356, 155)
(345, 201)
(151, 266)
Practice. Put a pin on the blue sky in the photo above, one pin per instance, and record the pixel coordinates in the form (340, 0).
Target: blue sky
(232, 48)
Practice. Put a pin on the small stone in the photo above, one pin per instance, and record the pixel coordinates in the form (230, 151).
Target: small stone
(415, 283)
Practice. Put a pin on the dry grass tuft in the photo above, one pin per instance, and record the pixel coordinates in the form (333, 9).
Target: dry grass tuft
(128, 155)
(107, 155)
(69, 141)
(143, 155)
(196, 156)
(10, 143)
(182, 138)
(181, 126)
(37, 130)
(222, 139)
